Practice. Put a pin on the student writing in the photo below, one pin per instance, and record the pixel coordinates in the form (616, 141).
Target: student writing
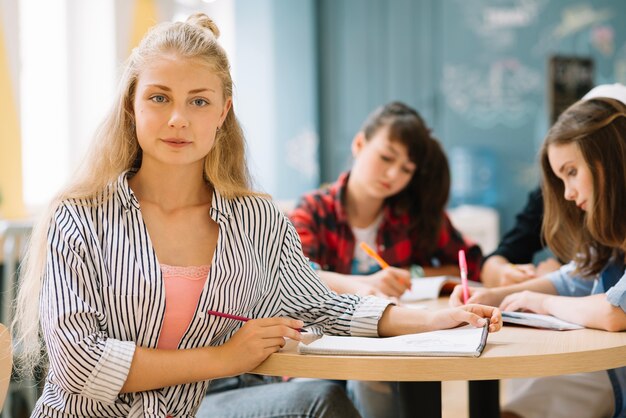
(511, 262)
(583, 161)
(393, 199)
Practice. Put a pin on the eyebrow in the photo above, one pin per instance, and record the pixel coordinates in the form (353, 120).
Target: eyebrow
(392, 150)
(194, 91)
(397, 152)
(563, 166)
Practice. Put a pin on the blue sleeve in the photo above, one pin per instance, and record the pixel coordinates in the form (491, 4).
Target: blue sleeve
(616, 295)
(567, 283)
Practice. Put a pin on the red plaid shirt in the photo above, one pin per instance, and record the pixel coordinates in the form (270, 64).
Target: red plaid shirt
(327, 237)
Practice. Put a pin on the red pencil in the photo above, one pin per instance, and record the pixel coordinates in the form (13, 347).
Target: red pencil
(240, 318)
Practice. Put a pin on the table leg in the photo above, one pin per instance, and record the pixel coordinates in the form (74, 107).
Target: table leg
(484, 398)
(420, 398)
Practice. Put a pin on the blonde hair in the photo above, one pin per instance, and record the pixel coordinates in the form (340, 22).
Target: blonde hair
(115, 149)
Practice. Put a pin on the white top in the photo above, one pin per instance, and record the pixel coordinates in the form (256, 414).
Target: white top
(363, 263)
(103, 294)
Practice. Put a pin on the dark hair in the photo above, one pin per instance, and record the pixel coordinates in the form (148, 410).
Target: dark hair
(426, 195)
(598, 128)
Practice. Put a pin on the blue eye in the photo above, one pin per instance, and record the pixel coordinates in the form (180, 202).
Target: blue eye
(158, 98)
(200, 102)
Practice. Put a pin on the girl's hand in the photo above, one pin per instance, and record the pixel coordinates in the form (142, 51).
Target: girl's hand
(525, 301)
(391, 281)
(516, 273)
(476, 315)
(366, 289)
(256, 340)
(476, 295)
(547, 266)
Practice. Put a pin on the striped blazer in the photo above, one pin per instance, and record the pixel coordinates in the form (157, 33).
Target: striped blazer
(103, 295)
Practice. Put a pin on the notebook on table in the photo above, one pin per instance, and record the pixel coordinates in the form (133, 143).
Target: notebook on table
(466, 341)
(538, 321)
(432, 287)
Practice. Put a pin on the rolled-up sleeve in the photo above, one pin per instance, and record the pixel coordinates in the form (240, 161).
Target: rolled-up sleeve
(83, 360)
(312, 301)
(616, 295)
(568, 283)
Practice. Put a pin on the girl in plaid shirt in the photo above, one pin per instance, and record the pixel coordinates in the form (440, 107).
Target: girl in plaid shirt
(394, 200)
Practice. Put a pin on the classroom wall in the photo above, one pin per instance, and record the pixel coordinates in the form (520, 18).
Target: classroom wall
(276, 93)
(476, 70)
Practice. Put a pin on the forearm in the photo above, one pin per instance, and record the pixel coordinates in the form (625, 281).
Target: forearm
(539, 285)
(590, 311)
(399, 321)
(339, 283)
(157, 368)
(492, 270)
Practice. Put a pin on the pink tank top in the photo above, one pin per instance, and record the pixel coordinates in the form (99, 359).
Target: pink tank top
(183, 286)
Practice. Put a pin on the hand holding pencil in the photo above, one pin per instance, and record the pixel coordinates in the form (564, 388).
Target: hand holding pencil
(255, 341)
(390, 281)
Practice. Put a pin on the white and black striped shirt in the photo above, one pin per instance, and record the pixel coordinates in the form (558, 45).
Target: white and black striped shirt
(103, 294)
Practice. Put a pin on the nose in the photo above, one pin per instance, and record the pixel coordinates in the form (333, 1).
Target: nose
(178, 118)
(569, 193)
(393, 171)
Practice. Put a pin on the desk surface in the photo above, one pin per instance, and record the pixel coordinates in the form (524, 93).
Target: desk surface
(512, 352)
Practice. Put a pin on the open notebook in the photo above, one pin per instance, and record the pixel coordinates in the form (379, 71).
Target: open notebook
(538, 321)
(466, 341)
(432, 287)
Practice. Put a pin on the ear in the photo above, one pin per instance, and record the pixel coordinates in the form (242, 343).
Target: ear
(358, 143)
(225, 110)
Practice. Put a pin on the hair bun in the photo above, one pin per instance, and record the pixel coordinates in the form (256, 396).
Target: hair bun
(205, 22)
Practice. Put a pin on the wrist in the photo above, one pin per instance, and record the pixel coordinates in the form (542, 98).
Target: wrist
(547, 303)
(416, 271)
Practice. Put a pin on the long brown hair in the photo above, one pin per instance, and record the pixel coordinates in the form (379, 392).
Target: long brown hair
(598, 128)
(426, 195)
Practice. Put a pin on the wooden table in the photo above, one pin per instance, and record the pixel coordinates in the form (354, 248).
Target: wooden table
(511, 353)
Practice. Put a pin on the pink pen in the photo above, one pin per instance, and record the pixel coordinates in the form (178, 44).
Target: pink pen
(463, 268)
(240, 318)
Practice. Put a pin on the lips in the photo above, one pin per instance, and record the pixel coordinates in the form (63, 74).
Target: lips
(177, 141)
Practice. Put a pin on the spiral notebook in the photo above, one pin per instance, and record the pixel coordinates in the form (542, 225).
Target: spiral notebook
(466, 341)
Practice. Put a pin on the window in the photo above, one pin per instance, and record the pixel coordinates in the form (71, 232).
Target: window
(67, 82)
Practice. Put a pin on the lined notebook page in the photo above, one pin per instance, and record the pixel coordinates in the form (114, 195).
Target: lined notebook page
(466, 341)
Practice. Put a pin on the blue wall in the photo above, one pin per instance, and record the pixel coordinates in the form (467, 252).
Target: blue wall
(276, 93)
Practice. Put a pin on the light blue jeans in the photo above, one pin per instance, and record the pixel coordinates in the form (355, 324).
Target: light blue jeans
(309, 399)
(375, 399)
